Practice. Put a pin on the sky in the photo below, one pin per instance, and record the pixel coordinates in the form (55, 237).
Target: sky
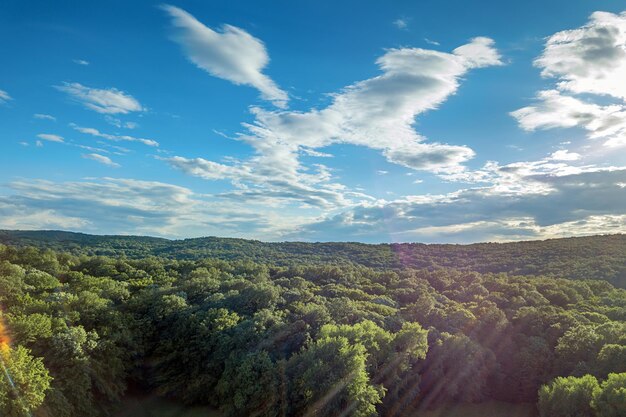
(401, 121)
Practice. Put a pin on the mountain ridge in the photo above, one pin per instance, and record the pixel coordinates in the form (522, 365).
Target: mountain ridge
(591, 257)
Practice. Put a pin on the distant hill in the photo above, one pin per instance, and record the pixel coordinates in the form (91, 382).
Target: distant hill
(594, 257)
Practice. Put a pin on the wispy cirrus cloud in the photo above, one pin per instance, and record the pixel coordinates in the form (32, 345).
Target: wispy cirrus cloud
(231, 54)
(401, 23)
(4, 97)
(120, 124)
(588, 65)
(98, 204)
(51, 137)
(102, 100)
(104, 160)
(130, 206)
(252, 184)
(42, 116)
(91, 148)
(116, 138)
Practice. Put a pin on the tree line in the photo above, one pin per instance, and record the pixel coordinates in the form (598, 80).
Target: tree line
(592, 257)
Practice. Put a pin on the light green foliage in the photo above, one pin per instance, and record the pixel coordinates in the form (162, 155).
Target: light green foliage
(568, 397)
(23, 382)
(375, 340)
(610, 399)
(12, 282)
(41, 281)
(330, 379)
(390, 357)
(30, 328)
(412, 339)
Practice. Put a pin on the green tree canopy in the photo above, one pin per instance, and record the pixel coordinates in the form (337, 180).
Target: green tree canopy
(23, 382)
(568, 397)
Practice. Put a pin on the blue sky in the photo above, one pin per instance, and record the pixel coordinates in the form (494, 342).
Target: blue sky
(364, 121)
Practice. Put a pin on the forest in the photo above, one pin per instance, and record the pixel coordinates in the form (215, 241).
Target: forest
(310, 329)
(593, 257)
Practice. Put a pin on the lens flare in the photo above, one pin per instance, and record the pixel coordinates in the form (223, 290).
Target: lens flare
(5, 352)
(5, 347)
(5, 339)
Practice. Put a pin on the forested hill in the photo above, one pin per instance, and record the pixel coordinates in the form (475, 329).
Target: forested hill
(594, 257)
(87, 336)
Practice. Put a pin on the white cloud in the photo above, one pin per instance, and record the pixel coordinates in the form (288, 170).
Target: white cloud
(556, 110)
(588, 65)
(130, 206)
(508, 178)
(106, 101)
(590, 59)
(378, 113)
(91, 148)
(121, 124)
(525, 200)
(254, 184)
(232, 54)
(120, 150)
(479, 53)
(4, 97)
(50, 137)
(28, 219)
(105, 160)
(431, 42)
(401, 23)
(117, 138)
(80, 62)
(115, 205)
(564, 155)
(44, 117)
(316, 154)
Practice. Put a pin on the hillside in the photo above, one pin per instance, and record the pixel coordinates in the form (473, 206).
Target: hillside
(594, 257)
